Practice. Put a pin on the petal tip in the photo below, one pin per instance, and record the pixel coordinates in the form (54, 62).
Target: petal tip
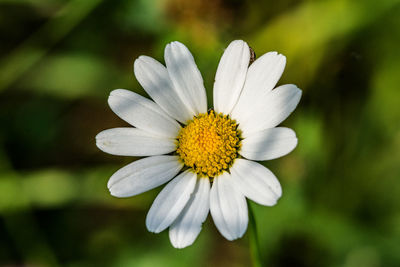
(175, 47)
(111, 191)
(239, 42)
(282, 59)
(101, 143)
(300, 91)
(138, 66)
(116, 194)
(273, 203)
(296, 87)
(98, 136)
(235, 236)
(180, 245)
(142, 59)
(118, 92)
(152, 228)
(282, 56)
(110, 184)
(176, 43)
(136, 63)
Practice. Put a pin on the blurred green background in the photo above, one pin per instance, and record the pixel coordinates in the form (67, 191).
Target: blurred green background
(60, 59)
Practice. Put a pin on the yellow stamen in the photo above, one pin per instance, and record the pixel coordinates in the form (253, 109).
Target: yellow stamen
(209, 143)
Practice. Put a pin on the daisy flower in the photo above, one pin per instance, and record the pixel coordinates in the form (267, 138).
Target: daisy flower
(206, 156)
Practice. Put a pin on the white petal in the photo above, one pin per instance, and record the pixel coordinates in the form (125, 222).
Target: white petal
(228, 207)
(170, 202)
(270, 109)
(184, 231)
(143, 175)
(269, 144)
(142, 113)
(230, 77)
(133, 142)
(261, 78)
(186, 77)
(154, 78)
(256, 182)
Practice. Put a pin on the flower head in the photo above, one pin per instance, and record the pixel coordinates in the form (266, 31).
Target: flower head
(208, 157)
(209, 144)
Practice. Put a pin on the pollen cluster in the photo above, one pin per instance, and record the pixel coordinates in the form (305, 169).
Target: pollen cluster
(209, 143)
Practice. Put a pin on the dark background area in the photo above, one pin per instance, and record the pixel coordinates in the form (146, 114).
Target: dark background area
(60, 59)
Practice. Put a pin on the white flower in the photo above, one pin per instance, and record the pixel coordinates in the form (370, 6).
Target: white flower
(207, 156)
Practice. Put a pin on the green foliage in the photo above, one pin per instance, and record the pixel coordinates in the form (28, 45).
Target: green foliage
(341, 188)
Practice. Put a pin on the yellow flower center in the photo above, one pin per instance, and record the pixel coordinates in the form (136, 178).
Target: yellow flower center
(209, 143)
